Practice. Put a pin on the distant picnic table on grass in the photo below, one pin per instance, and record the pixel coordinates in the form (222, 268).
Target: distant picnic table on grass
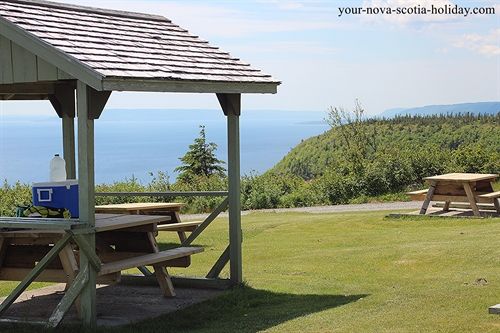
(472, 188)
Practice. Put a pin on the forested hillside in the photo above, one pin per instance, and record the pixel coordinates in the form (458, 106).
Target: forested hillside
(419, 136)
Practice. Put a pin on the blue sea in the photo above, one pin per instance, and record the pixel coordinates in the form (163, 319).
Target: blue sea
(135, 143)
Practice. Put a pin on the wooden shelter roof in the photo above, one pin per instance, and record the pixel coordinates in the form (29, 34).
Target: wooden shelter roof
(115, 50)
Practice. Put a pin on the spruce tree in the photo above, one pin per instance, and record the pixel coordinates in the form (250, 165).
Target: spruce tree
(200, 160)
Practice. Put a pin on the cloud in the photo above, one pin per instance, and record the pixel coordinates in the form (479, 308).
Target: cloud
(443, 50)
(281, 48)
(486, 45)
(215, 19)
(290, 5)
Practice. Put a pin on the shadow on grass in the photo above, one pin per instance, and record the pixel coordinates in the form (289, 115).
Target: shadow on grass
(242, 309)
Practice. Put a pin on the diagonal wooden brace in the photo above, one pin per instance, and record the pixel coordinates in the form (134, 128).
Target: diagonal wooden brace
(205, 223)
(219, 265)
(69, 297)
(428, 198)
(472, 200)
(89, 252)
(54, 252)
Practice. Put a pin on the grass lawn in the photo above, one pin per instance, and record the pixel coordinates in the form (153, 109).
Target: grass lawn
(346, 272)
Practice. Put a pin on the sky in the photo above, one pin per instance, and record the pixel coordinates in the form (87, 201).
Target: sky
(332, 53)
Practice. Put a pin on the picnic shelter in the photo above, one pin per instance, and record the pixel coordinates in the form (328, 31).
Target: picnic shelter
(75, 57)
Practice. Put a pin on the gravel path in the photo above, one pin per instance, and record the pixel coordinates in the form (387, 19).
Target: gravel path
(326, 209)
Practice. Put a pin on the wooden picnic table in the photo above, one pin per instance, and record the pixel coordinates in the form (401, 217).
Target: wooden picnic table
(171, 209)
(122, 242)
(459, 187)
(143, 208)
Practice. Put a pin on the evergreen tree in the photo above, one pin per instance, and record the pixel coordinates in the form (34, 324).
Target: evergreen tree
(200, 160)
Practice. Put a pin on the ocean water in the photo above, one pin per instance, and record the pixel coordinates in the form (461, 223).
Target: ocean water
(133, 143)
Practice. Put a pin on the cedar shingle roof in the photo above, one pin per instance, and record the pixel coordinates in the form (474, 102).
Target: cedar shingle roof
(129, 46)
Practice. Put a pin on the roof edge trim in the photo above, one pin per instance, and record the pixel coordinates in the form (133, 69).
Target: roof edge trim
(189, 86)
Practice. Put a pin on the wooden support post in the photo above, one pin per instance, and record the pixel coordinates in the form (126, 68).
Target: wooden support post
(63, 101)
(231, 105)
(86, 199)
(69, 151)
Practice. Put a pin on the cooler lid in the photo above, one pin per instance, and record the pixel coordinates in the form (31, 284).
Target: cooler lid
(67, 182)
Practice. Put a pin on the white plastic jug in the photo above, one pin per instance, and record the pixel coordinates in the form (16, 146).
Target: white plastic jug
(57, 169)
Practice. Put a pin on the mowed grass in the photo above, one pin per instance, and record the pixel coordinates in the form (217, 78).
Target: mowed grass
(346, 272)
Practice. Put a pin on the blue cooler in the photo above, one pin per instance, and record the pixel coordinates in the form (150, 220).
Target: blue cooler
(58, 195)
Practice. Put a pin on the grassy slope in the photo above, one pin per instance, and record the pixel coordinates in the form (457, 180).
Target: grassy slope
(348, 272)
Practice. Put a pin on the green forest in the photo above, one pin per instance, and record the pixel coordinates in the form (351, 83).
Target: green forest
(358, 160)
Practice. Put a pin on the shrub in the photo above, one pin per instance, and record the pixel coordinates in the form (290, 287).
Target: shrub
(128, 185)
(272, 190)
(13, 196)
(195, 183)
(475, 158)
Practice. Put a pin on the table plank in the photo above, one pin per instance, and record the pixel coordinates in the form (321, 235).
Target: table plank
(138, 206)
(106, 222)
(40, 223)
(103, 222)
(462, 177)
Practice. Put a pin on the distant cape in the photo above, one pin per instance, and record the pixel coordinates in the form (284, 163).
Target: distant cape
(472, 108)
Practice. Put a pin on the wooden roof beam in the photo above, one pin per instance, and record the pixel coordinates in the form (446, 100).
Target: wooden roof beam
(230, 103)
(23, 97)
(38, 88)
(63, 100)
(97, 101)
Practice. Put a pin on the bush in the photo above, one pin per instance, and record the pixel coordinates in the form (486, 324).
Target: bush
(272, 190)
(128, 185)
(475, 158)
(13, 196)
(194, 183)
(334, 187)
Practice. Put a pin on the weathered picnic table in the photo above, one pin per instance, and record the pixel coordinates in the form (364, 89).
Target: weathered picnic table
(459, 187)
(171, 209)
(122, 242)
(51, 251)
